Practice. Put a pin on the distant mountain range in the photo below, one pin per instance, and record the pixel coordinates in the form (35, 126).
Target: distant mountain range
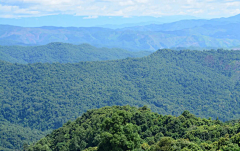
(215, 33)
(64, 53)
(91, 21)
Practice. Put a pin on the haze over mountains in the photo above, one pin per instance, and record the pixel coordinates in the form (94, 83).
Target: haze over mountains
(64, 53)
(91, 21)
(214, 33)
(50, 75)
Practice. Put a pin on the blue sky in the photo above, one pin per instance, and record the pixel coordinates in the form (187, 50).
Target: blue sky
(93, 9)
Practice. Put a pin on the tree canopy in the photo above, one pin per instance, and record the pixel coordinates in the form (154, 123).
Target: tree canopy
(122, 128)
(63, 53)
(44, 96)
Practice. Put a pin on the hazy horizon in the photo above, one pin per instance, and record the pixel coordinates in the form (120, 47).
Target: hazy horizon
(67, 13)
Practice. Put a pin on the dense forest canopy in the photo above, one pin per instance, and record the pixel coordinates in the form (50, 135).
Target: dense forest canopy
(122, 128)
(63, 53)
(14, 136)
(44, 96)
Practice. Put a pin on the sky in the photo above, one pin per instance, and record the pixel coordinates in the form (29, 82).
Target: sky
(93, 9)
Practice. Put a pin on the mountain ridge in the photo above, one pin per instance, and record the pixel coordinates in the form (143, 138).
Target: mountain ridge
(63, 53)
(44, 96)
(149, 37)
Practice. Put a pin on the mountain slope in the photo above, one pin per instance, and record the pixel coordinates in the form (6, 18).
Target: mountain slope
(221, 32)
(166, 80)
(187, 24)
(13, 136)
(63, 53)
(44, 96)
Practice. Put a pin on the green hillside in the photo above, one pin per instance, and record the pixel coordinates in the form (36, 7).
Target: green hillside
(44, 96)
(13, 136)
(128, 128)
(63, 53)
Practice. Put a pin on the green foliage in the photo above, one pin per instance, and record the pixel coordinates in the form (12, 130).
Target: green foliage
(14, 136)
(63, 53)
(164, 144)
(45, 96)
(118, 128)
(119, 135)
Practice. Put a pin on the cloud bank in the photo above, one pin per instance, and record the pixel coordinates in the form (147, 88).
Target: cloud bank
(93, 8)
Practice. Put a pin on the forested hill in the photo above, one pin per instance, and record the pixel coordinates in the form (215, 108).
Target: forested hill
(44, 96)
(122, 128)
(63, 53)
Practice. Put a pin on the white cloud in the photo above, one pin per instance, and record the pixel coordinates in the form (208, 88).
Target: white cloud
(91, 8)
(90, 17)
(126, 3)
